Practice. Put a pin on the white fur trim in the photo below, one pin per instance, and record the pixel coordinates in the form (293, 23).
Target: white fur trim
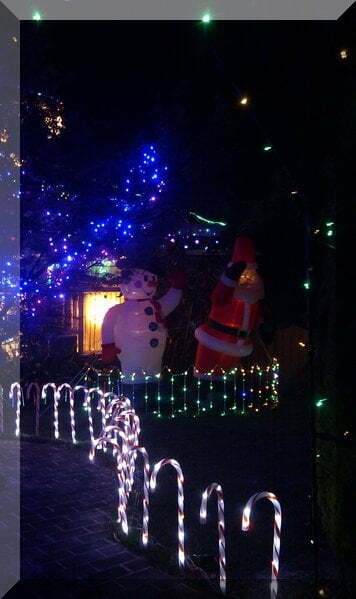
(224, 347)
(246, 317)
(250, 295)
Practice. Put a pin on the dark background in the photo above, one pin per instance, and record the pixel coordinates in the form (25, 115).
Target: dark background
(179, 84)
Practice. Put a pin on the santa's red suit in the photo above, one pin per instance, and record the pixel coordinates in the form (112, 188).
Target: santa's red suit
(235, 311)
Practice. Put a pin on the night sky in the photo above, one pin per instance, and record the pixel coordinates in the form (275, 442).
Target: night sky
(118, 75)
(127, 82)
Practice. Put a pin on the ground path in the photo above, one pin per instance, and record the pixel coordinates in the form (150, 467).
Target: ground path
(67, 543)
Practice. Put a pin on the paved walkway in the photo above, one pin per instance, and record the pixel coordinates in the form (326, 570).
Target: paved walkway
(67, 543)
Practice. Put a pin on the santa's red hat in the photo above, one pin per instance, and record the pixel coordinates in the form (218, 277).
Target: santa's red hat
(244, 250)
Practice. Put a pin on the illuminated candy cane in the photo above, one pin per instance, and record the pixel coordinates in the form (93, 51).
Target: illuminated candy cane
(102, 408)
(87, 405)
(146, 489)
(71, 408)
(55, 405)
(36, 400)
(221, 527)
(132, 430)
(180, 481)
(276, 534)
(121, 511)
(105, 409)
(15, 389)
(126, 459)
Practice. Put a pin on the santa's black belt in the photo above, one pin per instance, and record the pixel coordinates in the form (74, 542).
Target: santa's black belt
(238, 333)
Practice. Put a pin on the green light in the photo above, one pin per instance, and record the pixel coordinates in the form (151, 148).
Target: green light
(306, 285)
(267, 148)
(206, 18)
(329, 224)
(36, 16)
(320, 402)
(206, 220)
(330, 233)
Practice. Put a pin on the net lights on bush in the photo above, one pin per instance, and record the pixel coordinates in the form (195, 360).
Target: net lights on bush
(172, 395)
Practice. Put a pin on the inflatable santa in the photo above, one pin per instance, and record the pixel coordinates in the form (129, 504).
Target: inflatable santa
(235, 312)
(135, 330)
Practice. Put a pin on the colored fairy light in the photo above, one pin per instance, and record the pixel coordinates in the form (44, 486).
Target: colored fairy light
(267, 148)
(343, 54)
(320, 402)
(244, 101)
(36, 16)
(306, 285)
(206, 220)
(206, 18)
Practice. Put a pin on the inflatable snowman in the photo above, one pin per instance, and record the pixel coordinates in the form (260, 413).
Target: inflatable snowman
(236, 310)
(135, 330)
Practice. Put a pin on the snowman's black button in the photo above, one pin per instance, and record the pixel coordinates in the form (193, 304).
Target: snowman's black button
(153, 326)
(154, 342)
(149, 310)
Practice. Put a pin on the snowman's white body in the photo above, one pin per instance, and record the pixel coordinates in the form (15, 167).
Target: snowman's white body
(137, 327)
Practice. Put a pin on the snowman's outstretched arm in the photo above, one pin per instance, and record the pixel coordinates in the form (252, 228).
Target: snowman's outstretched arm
(171, 299)
(109, 347)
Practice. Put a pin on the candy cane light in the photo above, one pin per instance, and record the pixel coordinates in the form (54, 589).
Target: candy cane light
(15, 389)
(87, 406)
(121, 511)
(146, 485)
(180, 482)
(276, 533)
(71, 408)
(221, 527)
(55, 405)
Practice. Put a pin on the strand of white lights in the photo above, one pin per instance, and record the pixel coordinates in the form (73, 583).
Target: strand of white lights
(36, 401)
(55, 405)
(276, 532)
(15, 390)
(146, 490)
(180, 482)
(68, 387)
(221, 527)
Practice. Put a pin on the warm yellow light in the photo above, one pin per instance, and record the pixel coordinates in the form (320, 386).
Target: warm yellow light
(4, 136)
(343, 54)
(301, 344)
(244, 101)
(96, 306)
